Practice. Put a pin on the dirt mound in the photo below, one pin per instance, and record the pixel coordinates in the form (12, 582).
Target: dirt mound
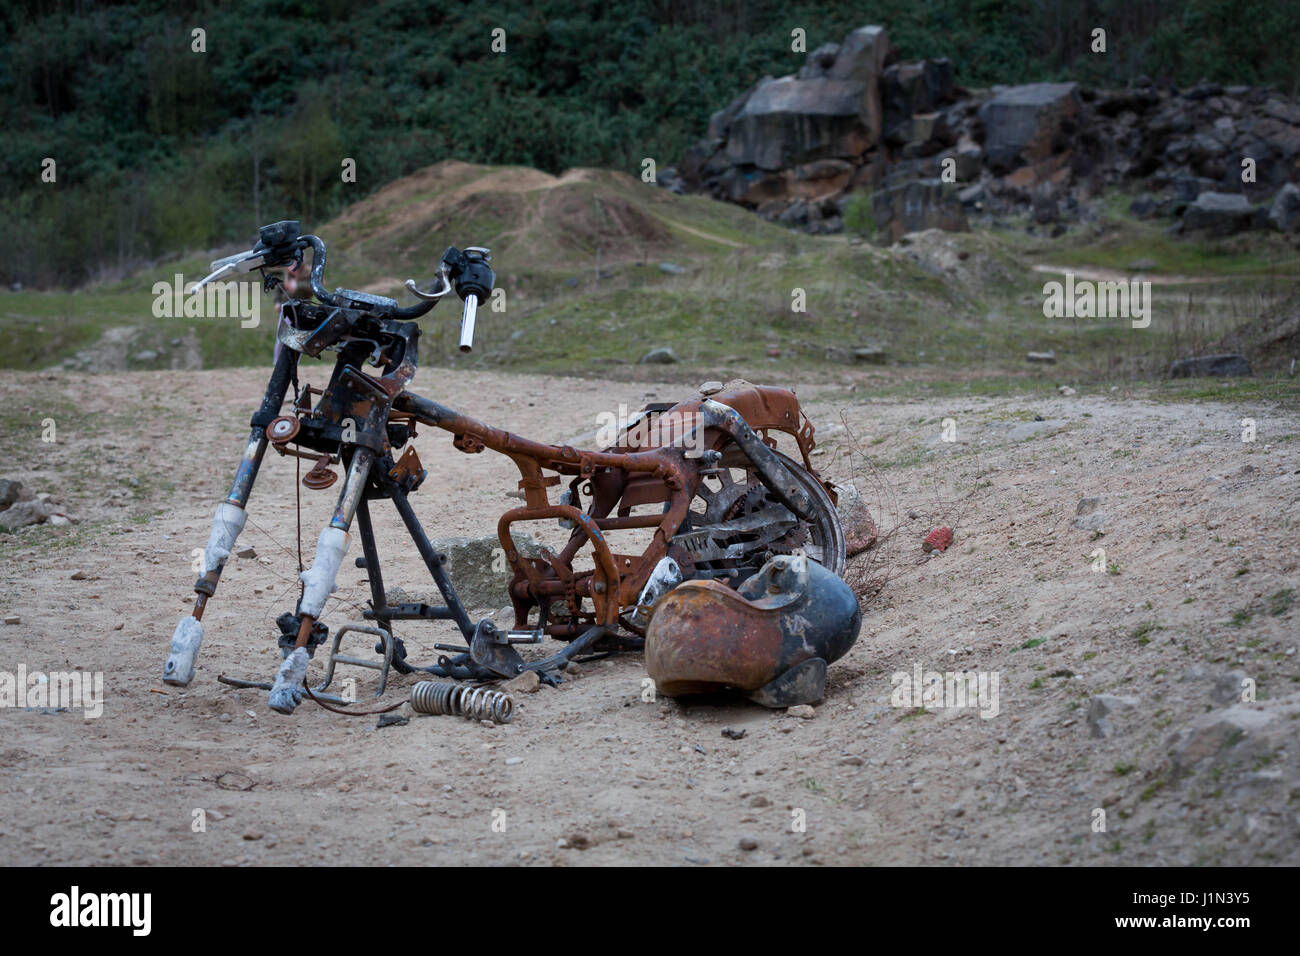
(589, 218)
(451, 189)
(967, 260)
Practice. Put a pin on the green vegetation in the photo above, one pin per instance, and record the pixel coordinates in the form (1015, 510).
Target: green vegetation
(598, 267)
(160, 147)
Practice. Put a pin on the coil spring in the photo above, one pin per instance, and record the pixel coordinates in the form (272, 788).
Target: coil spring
(476, 703)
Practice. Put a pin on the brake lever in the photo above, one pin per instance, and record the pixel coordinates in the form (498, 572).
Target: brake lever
(431, 296)
(230, 265)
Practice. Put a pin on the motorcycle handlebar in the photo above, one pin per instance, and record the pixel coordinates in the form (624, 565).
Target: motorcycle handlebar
(318, 289)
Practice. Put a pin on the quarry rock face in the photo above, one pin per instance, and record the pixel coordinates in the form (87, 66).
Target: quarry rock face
(1028, 124)
(920, 204)
(1212, 160)
(804, 137)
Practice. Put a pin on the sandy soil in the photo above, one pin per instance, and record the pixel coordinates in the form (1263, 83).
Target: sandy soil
(1200, 551)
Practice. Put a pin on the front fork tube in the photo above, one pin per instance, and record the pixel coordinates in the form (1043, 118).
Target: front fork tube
(245, 475)
(318, 584)
(332, 545)
(226, 526)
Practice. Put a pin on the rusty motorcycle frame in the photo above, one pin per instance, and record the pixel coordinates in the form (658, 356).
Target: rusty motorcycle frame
(705, 481)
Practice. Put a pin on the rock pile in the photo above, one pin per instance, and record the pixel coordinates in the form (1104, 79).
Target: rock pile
(929, 153)
(19, 508)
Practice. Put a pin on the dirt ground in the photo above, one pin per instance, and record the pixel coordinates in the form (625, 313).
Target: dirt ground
(1194, 590)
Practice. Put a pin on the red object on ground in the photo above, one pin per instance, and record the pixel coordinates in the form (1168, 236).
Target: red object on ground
(937, 540)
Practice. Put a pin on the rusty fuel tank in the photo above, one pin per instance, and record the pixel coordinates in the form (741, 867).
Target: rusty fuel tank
(771, 639)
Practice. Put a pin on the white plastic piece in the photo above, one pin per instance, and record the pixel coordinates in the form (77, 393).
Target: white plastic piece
(226, 525)
(319, 578)
(188, 637)
(286, 692)
(666, 576)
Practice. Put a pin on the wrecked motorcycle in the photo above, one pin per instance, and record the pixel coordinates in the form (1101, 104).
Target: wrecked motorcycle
(703, 479)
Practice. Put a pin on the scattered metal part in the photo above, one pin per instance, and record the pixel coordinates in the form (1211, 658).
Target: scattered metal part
(283, 429)
(335, 658)
(461, 700)
(320, 477)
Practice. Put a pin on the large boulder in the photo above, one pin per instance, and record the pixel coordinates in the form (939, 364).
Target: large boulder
(1219, 214)
(907, 89)
(1211, 366)
(1284, 214)
(478, 571)
(1244, 735)
(831, 110)
(790, 121)
(1027, 124)
(861, 57)
(918, 205)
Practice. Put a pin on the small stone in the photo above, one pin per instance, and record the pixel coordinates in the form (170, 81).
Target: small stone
(10, 491)
(748, 843)
(660, 356)
(802, 711)
(253, 835)
(1045, 358)
(859, 528)
(514, 761)
(937, 540)
(1089, 517)
(759, 801)
(246, 553)
(525, 683)
(711, 388)
(13, 619)
(729, 732)
(1228, 688)
(80, 576)
(1100, 709)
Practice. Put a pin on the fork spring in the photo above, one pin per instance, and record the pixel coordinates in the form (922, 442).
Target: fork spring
(475, 703)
